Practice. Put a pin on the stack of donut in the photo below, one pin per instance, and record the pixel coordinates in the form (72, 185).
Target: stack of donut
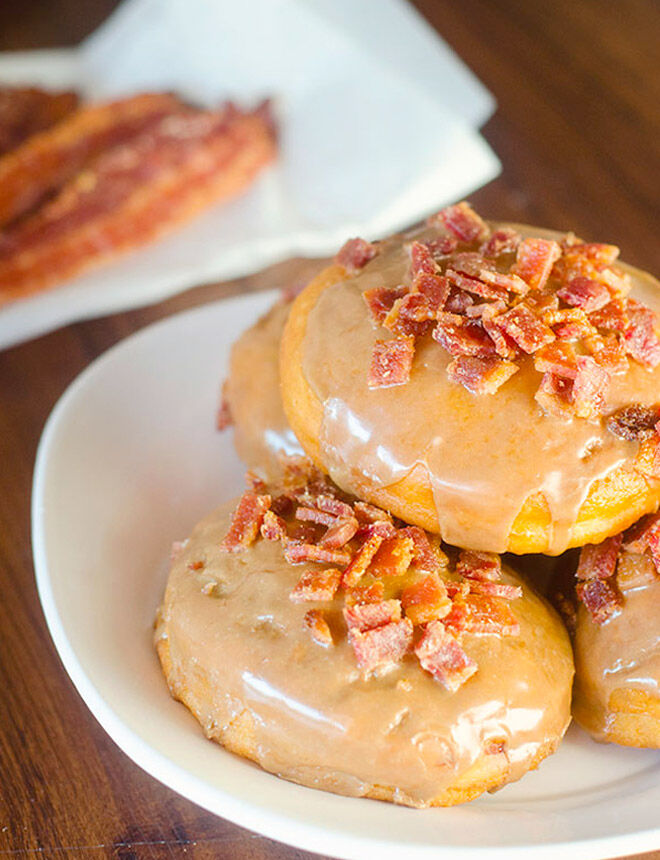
(426, 404)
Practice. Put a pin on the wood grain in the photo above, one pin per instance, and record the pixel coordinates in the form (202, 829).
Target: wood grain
(578, 133)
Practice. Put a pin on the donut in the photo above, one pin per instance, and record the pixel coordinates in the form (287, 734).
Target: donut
(252, 402)
(478, 380)
(342, 650)
(616, 640)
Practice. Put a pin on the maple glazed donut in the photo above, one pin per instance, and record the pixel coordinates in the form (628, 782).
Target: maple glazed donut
(617, 638)
(478, 381)
(343, 651)
(252, 402)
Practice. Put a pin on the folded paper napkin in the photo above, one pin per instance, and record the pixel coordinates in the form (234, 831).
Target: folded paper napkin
(377, 121)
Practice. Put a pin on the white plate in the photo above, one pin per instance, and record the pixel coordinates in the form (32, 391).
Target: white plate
(129, 460)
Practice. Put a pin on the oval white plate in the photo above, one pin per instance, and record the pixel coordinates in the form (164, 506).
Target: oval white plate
(129, 460)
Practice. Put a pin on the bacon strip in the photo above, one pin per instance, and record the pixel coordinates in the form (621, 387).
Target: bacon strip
(391, 362)
(598, 561)
(366, 616)
(246, 522)
(601, 598)
(381, 646)
(441, 655)
(426, 600)
(296, 552)
(585, 293)
(393, 556)
(462, 222)
(481, 375)
(355, 254)
(640, 339)
(486, 616)
(460, 336)
(523, 326)
(316, 585)
(534, 261)
(380, 301)
(316, 623)
(483, 566)
(25, 111)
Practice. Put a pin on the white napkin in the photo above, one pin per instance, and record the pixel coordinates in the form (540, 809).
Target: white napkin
(378, 123)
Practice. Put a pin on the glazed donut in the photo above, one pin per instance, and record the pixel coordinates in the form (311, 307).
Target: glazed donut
(251, 394)
(421, 681)
(445, 419)
(617, 639)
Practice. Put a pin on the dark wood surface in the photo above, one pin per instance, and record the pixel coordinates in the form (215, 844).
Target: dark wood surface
(578, 132)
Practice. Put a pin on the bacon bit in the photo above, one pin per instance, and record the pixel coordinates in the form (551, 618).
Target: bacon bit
(462, 222)
(316, 585)
(608, 352)
(505, 347)
(391, 362)
(460, 336)
(442, 246)
(485, 310)
(373, 593)
(601, 598)
(483, 566)
(457, 589)
(590, 387)
(340, 533)
(458, 301)
(366, 616)
(523, 326)
(246, 522)
(382, 528)
(367, 513)
(481, 375)
(469, 263)
(611, 317)
(440, 654)
(634, 422)
(380, 301)
(361, 561)
(585, 293)
(534, 261)
(382, 646)
(313, 515)
(273, 527)
(299, 553)
(618, 283)
(332, 505)
(426, 600)
(502, 241)
(554, 394)
(355, 254)
(475, 286)
(456, 620)
(434, 287)
(597, 252)
(421, 260)
(487, 616)
(223, 418)
(496, 589)
(426, 558)
(509, 282)
(570, 323)
(410, 315)
(177, 548)
(645, 535)
(640, 339)
(393, 557)
(315, 622)
(598, 561)
(196, 565)
(558, 358)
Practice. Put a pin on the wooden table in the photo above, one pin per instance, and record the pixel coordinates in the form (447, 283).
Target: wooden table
(578, 131)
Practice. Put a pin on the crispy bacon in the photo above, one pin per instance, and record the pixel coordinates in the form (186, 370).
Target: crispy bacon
(534, 261)
(589, 387)
(339, 534)
(469, 263)
(440, 654)
(410, 315)
(273, 527)
(634, 423)
(426, 600)
(366, 513)
(382, 646)
(361, 561)
(355, 254)
(461, 336)
(442, 246)
(522, 325)
(434, 287)
(611, 317)
(382, 528)
(569, 323)
(393, 556)
(372, 593)
(505, 347)
(391, 362)
(601, 598)
(421, 260)
(483, 566)
(25, 111)
(585, 293)
(558, 358)
(496, 589)
(598, 561)
(643, 536)
(314, 515)
(554, 394)
(316, 585)
(456, 620)
(608, 352)
(380, 301)
(487, 616)
(476, 286)
(296, 552)
(425, 557)
(366, 616)
(481, 375)
(502, 241)
(246, 521)
(135, 193)
(502, 281)
(462, 222)
(596, 252)
(316, 623)
(640, 339)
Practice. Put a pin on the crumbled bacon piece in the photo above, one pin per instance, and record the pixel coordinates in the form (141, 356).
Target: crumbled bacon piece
(273, 526)
(457, 589)
(410, 315)
(355, 254)
(332, 505)
(505, 347)
(496, 589)
(391, 362)
(481, 375)
(534, 261)
(476, 286)
(460, 336)
(440, 654)
(381, 528)
(361, 561)
(643, 536)
(382, 646)
(296, 552)
(463, 222)
(339, 533)
(434, 287)
(557, 357)
(487, 616)
(598, 561)
(421, 260)
(442, 246)
(608, 352)
(522, 325)
(640, 339)
(597, 252)
(316, 623)
(585, 293)
(366, 616)
(483, 566)
(246, 522)
(372, 593)
(380, 301)
(601, 598)
(469, 263)
(366, 513)
(456, 620)
(589, 387)
(313, 515)
(554, 394)
(502, 281)
(569, 323)
(634, 422)
(316, 585)
(611, 317)
(425, 557)
(502, 241)
(393, 556)
(426, 600)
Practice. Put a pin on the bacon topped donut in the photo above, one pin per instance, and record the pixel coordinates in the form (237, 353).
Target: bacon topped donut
(483, 381)
(342, 649)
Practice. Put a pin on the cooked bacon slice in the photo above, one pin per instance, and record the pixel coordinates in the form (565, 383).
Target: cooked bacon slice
(596, 252)
(640, 339)
(469, 263)
(502, 281)
(608, 352)
(361, 561)
(534, 261)
(589, 387)
(426, 600)
(558, 358)
(296, 552)
(483, 566)
(476, 286)
(134, 194)
(25, 111)
(366, 616)
(496, 589)
(339, 533)
(410, 315)
(372, 593)
(316, 585)
(554, 394)
(461, 336)
(481, 375)
(502, 241)
(425, 557)
(523, 326)
(634, 423)
(380, 301)
(505, 347)
(393, 556)
(442, 246)
(246, 521)
(331, 505)
(569, 323)
(314, 515)
(316, 623)
(381, 528)
(598, 561)
(611, 317)
(367, 513)
(601, 598)
(487, 616)
(585, 293)
(643, 536)
(456, 620)
(434, 287)
(440, 654)
(391, 362)
(45, 162)
(273, 527)
(462, 222)
(381, 646)
(421, 260)
(355, 254)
